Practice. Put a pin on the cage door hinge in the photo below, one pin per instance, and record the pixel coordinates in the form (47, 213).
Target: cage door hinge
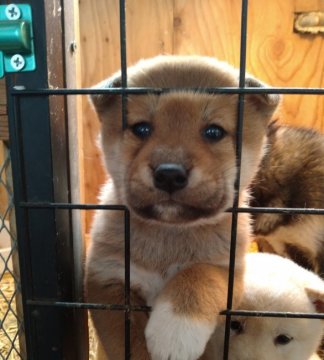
(16, 39)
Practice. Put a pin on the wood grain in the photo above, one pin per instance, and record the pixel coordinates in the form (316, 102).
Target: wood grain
(4, 135)
(99, 36)
(309, 5)
(275, 53)
(149, 33)
(281, 57)
(4, 131)
(3, 97)
(75, 133)
(209, 28)
(3, 192)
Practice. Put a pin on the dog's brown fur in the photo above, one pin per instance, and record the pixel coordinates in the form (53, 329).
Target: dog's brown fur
(180, 241)
(291, 174)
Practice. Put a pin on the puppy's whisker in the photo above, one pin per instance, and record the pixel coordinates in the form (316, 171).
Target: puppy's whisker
(175, 171)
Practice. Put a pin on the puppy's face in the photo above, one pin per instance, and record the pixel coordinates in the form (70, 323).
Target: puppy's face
(275, 284)
(273, 338)
(175, 162)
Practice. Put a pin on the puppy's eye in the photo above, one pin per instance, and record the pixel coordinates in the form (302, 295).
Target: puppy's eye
(213, 133)
(142, 129)
(236, 326)
(282, 339)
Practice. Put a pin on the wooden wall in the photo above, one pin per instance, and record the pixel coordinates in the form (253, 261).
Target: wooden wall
(275, 53)
(4, 135)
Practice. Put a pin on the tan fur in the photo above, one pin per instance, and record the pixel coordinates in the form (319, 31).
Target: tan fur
(211, 281)
(291, 175)
(180, 242)
(314, 357)
(273, 283)
(114, 294)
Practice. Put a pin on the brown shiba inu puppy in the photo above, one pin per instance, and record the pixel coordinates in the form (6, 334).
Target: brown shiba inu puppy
(291, 175)
(273, 283)
(174, 167)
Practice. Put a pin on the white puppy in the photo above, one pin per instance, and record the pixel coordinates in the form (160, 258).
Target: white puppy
(273, 283)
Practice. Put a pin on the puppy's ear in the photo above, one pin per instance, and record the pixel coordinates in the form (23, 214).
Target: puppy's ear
(102, 101)
(263, 102)
(317, 298)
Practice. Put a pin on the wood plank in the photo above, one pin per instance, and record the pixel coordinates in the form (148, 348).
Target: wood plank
(75, 134)
(74, 105)
(100, 56)
(100, 48)
(283, 58)
(275, 54)
(3, 192)
(150, 37)
(3, 97)
(4, 130)
(309, 5)
(209, 28)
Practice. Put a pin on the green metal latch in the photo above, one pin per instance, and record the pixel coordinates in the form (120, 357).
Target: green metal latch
(16, 39)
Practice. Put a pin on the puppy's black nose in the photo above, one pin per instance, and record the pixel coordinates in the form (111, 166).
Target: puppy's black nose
(170, 177)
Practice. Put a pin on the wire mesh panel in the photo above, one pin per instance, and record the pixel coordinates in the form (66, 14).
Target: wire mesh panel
(11, 327)
(40, 157)
(30, 202)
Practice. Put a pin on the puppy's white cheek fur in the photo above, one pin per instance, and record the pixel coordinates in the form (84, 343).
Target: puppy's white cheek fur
(173, 337)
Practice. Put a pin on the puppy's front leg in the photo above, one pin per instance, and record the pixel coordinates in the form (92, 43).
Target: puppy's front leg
(186, 312)
(110, 325)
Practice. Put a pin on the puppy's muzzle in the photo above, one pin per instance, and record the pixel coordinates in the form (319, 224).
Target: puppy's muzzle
(170, 177)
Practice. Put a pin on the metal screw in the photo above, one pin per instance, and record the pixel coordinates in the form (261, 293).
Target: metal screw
(73, 46)
(17, 62)
(13, 12)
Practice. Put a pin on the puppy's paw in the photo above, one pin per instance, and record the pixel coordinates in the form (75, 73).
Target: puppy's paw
(171, 336)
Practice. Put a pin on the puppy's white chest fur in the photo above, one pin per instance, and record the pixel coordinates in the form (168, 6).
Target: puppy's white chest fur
(149, 283)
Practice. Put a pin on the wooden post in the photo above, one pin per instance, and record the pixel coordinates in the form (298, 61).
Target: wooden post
(74, 114)
(4, 132)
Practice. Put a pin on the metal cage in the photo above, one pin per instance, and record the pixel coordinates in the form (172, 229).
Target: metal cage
(52, 308)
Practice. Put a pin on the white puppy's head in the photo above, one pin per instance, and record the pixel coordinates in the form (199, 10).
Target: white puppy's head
(273, 283)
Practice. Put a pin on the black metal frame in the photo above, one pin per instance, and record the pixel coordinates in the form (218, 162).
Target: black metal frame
(39, 157)
(47, 302)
